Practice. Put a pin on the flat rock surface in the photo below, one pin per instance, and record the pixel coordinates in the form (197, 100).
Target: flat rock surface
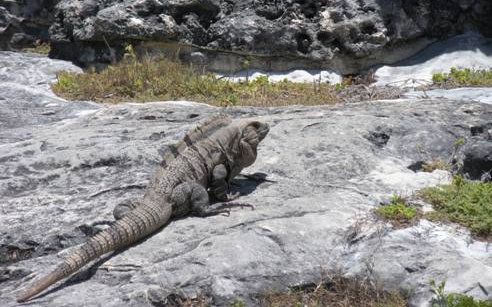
(62, 173)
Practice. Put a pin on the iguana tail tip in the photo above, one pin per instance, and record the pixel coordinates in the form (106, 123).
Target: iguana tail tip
(43, 284)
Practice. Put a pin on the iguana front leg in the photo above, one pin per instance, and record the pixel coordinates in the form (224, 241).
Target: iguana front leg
(219, 187)
(192, 198)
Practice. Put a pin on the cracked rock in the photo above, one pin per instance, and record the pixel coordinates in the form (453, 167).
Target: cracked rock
(314, 186)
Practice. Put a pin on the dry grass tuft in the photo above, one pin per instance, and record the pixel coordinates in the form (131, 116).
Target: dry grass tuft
(337, 292)
(175, 300)
(436, 164)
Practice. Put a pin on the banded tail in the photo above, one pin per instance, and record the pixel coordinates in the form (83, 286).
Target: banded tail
(137, 224)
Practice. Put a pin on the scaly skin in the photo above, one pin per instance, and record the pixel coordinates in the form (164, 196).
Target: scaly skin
(178, 188)
(136, 225)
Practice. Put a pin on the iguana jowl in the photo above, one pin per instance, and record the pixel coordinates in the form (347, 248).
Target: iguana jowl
(208, 157)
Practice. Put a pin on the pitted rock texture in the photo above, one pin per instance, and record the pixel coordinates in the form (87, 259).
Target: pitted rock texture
(22, 22)
(342, 35)
(326, 168)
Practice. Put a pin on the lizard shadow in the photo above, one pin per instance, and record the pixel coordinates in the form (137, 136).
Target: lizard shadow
(244, 184)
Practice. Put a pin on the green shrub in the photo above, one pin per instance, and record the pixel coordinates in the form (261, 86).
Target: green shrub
(453, 299)
(465, 202)
(463, 77)
(461, 300)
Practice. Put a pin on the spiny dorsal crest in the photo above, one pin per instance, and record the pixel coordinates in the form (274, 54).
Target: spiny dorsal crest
(203, 130)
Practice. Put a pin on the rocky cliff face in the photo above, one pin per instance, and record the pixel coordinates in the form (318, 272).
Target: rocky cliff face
(65, 165)
(346, 36)
(343, 35)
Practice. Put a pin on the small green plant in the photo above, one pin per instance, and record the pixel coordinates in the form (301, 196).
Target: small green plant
(439, 77)
(129, 53)
(65, 81)
(463, 77)
(464, 202)
(245, 64)
(39, 47)
(231, 100)
(460, 75)
(238, 303)
(261, 80)
(459, 142)
(398, 211)
(441, 299)
(340, 87)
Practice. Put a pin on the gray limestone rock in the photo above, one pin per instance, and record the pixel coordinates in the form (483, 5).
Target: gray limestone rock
(346, 36)
(23, 22)
(62, 173)
(25, 97)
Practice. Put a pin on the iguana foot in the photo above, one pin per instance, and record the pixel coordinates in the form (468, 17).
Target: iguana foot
(220, 208)
(205, 213)
(239, 205)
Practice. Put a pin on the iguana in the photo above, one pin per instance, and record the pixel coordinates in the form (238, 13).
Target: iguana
(207, 158)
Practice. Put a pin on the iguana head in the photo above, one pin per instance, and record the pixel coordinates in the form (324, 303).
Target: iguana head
(237, 143)
(251, 133)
